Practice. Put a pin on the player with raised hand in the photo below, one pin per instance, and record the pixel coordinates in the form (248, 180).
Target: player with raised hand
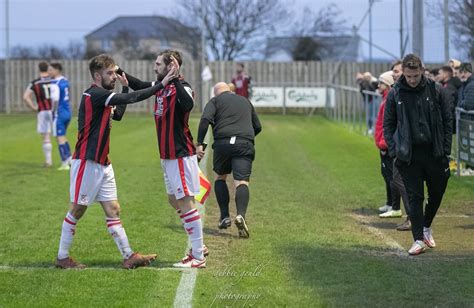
(92, 175)
(177, 151)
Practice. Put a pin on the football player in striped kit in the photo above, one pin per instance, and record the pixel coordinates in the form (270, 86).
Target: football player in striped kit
(92, 175)
(173, 105)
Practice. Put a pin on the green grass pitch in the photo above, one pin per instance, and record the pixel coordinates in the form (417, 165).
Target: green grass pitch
(312, 181)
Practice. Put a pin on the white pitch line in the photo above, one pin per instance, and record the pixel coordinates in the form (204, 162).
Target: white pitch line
(389, 241)
(94, 268)
(184, 293)
(454, 216)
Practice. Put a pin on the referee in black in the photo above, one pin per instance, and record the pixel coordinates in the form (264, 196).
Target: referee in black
(234, 125)
(418, 131)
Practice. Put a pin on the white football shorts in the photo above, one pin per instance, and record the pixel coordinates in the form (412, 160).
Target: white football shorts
(45, 122)
(181, 176)
(91, 182)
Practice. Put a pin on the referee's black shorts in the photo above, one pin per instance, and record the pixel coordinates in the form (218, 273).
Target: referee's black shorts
(236, 158)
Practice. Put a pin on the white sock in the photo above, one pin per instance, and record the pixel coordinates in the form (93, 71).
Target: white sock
(193, 227)
(48, 152)
(114, 225)
(67, 235)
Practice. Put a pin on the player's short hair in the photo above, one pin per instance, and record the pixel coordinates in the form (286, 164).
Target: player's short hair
(398, 62)
(447, 69)
(43, 66)
(57, 66)
(412, 61)
(167, 56)
(100, 62)
(241, 64)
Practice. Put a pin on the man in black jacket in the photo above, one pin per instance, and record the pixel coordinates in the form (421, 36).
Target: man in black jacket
(418, 132)
(451, 88)
(234, 125)
(466, 93)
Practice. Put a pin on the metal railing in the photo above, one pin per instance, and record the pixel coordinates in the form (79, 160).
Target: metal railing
(354, 110)
(464, 138)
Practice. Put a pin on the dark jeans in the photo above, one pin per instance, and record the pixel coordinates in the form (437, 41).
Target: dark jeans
(397, 185)
(393, 195)
(424, 167)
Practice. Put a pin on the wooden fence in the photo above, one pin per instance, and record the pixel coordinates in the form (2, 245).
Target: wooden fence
(16, 74)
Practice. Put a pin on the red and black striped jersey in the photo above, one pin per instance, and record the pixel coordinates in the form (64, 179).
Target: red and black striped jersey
(41, 89)
(95, 117)
(172, 107)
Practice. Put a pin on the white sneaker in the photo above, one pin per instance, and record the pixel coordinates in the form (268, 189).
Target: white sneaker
(417, 248)
(428, 237)
(391, 214)
(190, 262)
(385, 208)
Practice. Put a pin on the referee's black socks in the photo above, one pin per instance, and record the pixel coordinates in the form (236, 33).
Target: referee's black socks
(242, 199)
(222, 196)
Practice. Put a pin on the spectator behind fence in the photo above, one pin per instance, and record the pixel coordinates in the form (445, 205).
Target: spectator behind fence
(466, 92)
(449, 86)
(241, 80)
(428, 74)
(396, 70)
(368, 83)
(455, 64)
(418, 132)
(435, 75)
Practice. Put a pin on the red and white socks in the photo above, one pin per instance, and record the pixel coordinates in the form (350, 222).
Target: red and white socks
(193, 227)
(114, 225)
(67, 235)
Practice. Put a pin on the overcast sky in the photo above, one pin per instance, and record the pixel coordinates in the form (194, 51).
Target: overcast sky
(36, 22)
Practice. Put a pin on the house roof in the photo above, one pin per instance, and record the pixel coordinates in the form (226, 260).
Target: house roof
(142, 27)
(342, 47)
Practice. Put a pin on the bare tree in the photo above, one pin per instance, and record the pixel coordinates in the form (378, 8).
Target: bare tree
(327, 20)
(74, 50)
(310, 30)
(307, 49)
(461, 21)
(126, 42)
(92, 52)
(22, 52)
(235, 28)
(49, 52)
(461, 17)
